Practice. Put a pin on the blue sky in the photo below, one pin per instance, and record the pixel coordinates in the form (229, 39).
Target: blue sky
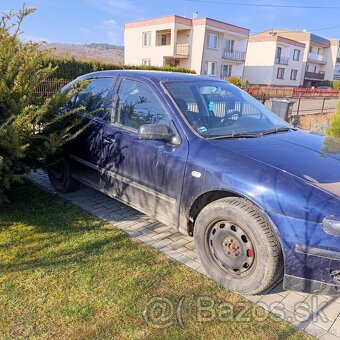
(86, 21)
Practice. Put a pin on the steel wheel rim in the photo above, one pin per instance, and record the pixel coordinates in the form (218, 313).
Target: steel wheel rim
(231, 248)
(58, 171)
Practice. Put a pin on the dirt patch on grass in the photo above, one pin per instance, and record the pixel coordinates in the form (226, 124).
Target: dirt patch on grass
(317, 123)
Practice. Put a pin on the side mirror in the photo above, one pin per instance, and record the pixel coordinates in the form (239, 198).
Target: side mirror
(156, 132)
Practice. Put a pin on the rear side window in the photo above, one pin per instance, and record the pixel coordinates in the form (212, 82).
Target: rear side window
(138, 105)
(97, 98)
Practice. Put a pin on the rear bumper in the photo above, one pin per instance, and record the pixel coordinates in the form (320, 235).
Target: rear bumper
(301, 284)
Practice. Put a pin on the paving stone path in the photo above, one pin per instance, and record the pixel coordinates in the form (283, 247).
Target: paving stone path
(316, 315)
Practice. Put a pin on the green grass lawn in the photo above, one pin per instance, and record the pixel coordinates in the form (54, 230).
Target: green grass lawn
(67, 275)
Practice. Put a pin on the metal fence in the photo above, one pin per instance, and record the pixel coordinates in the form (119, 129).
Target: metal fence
(265, 92)
(50, 86)
(314, 105)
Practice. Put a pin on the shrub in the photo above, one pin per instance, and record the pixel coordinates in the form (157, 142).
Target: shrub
(336, 84)
(32, 130)
(326, 83)
(245, 85)
(235, 81)
(334, 124)
(71, 68)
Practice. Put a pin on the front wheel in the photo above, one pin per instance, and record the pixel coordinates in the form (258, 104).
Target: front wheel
(61, 178)
(237, 247)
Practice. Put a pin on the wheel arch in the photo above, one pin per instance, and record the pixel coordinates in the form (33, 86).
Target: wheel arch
(208, 197)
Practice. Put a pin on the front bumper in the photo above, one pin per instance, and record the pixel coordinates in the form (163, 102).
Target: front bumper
(311, 256)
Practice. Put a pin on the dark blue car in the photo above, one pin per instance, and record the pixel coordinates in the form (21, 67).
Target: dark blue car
(260, 198)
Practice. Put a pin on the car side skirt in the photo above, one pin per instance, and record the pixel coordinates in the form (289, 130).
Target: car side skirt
(304, 285)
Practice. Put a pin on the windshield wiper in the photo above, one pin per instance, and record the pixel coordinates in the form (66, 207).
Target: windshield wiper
(253, 134)
(277, 130)
(238, 135)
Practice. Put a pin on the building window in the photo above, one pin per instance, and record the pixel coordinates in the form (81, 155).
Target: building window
(296, 55)
(229, 45)
(307, 67)
(293, 74)
(280, 73)
(146, 62)
(278, 52)
(146, 39)
(163, 39)
(226, 71)
(212, 40)
(211, 68)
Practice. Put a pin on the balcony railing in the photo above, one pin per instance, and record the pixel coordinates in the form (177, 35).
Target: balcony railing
(182, 49)
(281, 60)
(314, 76)
(336, 76)
(317, 57)
(234, 55)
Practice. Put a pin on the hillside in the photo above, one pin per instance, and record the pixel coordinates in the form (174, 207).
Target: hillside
(90, 52)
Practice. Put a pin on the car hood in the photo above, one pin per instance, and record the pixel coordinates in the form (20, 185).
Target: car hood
(310, 157)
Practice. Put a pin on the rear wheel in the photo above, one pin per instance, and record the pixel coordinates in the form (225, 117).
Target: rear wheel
(61, 178)
(238, 248)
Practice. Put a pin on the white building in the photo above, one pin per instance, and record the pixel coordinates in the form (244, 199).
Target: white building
(320, 56)
(274, 60)
(336, 76)
(208, 46)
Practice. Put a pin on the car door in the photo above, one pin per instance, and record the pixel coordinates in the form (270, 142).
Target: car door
(147, 174)
(85, 152)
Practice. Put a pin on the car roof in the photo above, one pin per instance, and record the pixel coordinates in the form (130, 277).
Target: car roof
(155, 76)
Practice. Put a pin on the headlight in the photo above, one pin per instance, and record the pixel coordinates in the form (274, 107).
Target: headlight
(331, 225)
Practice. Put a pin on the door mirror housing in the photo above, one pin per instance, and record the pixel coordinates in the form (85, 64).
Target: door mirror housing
(157, 132)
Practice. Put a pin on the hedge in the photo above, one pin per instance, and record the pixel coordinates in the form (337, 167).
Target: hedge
(71, 68)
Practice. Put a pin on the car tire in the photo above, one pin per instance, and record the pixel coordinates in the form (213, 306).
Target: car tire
(61, 178)
(237, 246)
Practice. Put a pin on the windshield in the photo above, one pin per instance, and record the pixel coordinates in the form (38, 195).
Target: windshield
(216, 109)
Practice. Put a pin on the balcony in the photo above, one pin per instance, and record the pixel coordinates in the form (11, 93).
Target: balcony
(182, 50)
(281, 60)
(336, 75)
(317, 58)
(234, 55)
(314, 76)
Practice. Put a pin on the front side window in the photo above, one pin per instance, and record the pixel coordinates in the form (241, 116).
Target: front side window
(96, 98)
(211, 68)
(137, 105)
(146, 39)
(280, 73)
(216, 109)
(212, 40)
